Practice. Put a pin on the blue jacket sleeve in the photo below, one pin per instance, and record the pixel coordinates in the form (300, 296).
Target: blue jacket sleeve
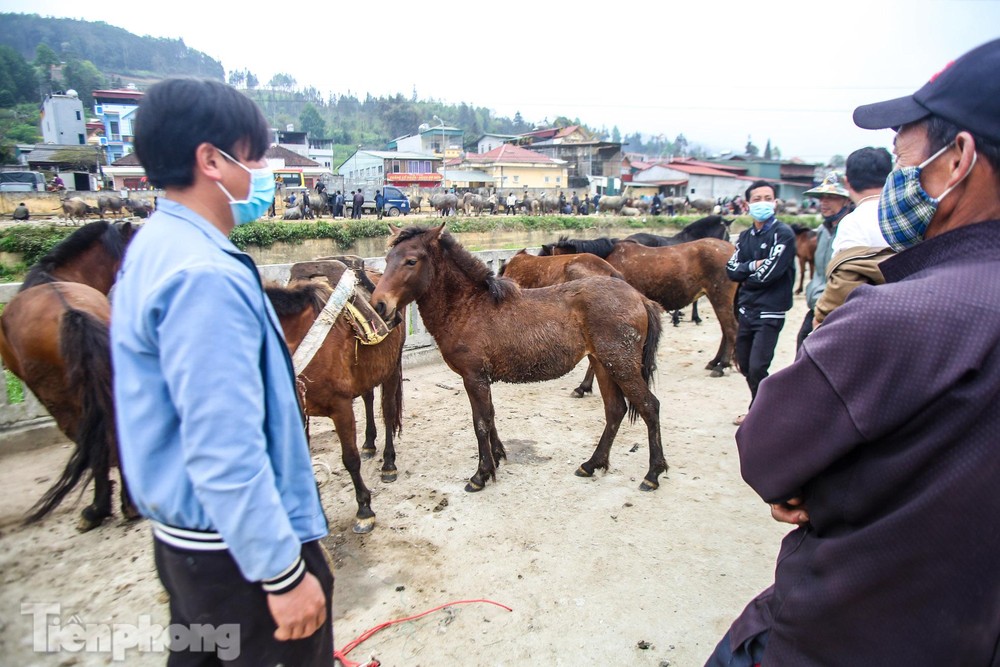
(777, 263)
(211, 338)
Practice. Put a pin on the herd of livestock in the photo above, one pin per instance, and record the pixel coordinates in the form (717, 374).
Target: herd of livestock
(473, 202)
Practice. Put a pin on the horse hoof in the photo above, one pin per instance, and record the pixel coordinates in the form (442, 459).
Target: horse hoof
(649, 486)
(389, 476)
(363, 526)
(473, 487)
(85, 525)
(581, 472)
(367, 453)
(716, 373)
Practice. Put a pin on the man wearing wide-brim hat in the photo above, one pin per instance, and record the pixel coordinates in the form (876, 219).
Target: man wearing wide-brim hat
(893, 485)
(834, 204)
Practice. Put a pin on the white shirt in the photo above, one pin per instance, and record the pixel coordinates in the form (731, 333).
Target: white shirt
(860, 228)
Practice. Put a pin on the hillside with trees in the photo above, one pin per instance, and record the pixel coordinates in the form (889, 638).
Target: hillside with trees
(113, 51)
(39, 55)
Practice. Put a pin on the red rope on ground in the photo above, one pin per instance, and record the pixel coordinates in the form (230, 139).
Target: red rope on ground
(367, 634)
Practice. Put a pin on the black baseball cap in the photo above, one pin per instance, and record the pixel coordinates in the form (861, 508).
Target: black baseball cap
(966, 92)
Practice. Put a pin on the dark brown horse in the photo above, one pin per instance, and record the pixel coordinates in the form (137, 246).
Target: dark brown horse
(676, 276)
(708, 227)
(54, 336)
(342, 370)
(805, 248)
(531, 272)
(489, 329)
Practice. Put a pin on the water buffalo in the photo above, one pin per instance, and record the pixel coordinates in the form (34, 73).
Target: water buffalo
(76, 208)
(111, 203)
(140, 208)
(702, 205)
(473, 202)
(613, 204)
(630, 211)
(549, 203)
(292, 213)
(446, 203)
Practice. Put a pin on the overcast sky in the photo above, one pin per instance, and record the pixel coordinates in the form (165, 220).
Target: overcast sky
(788, 71)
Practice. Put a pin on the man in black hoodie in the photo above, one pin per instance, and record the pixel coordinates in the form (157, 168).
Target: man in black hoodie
(764, 266)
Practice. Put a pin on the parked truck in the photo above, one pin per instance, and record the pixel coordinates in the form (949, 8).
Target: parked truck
(396, 201)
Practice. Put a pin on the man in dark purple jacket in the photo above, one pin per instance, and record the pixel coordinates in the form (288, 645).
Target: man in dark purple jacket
(881, 443)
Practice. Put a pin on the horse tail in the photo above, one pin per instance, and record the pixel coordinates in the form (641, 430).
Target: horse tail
(397, 424)
(649, 347)
(85, 345)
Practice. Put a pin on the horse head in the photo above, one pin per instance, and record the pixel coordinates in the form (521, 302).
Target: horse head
(91, 255)
(409, 269)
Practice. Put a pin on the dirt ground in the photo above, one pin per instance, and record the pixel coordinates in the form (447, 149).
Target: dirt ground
(595, 571)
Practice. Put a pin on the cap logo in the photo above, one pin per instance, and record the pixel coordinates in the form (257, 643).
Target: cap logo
(937, 74)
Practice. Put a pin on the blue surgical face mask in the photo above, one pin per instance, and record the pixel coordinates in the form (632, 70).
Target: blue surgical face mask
(905, 209)
(258, 200)
(762, 211)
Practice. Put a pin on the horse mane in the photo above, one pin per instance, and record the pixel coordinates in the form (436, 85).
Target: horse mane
(298, 296)
(109, 234)
(601, 247)
(799, 229)
(468, 264)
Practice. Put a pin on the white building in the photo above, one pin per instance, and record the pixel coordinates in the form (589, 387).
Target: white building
(62, 120)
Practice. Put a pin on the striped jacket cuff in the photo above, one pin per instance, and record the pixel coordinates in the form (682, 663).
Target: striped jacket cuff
(287, 580)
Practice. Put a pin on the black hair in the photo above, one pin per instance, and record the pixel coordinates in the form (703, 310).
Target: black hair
(177, 115)
(760, 184)
(941, 132)
(867, 168)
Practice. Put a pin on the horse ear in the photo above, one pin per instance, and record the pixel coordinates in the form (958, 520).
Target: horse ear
(522, 251)
(436, 232)
(394, 229)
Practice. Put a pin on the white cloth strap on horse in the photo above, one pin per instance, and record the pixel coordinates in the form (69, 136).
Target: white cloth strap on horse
(317, 333)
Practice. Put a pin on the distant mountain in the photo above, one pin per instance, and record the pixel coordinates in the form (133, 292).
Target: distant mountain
(113, 50)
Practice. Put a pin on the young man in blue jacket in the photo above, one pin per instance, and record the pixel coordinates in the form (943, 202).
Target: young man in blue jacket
(764, 265)
(209, 423)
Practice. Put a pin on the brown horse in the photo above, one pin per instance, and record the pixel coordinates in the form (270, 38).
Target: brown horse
(805, 248)
(54, 336)
(675, 276)
(488, 329)
(341, 371)
(532, 272)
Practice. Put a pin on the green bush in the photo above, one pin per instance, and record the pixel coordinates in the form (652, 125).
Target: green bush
(32, 241)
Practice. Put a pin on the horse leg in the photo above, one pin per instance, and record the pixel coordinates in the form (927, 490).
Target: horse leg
(94, 515)
(643, 401)
(371, 433)
(675, 317)
(343, 421)
(694, 312)
(392, 404)
(496, 446)
(614, 411)
(802, 274)
(722, 303)
(481, 399)
(129, 510)
(587, 386)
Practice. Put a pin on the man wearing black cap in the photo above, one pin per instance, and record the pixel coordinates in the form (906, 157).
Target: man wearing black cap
(893, 486)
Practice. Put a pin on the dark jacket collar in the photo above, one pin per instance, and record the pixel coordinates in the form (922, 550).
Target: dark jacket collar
(979, 240)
